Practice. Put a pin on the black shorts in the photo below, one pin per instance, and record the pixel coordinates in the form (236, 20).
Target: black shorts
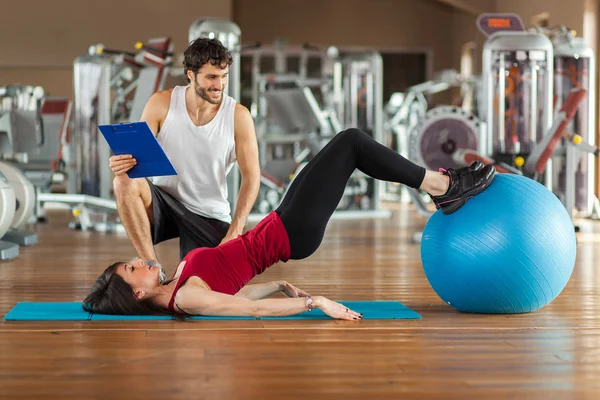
(172, 219)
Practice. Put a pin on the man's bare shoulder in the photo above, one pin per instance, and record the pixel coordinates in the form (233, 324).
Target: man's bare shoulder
(159, 103)
(241, 110)
(242, 116)
(156, 109)
(163, 97)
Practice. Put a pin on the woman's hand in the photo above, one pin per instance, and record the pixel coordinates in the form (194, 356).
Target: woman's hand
(336, 310)
(291, 291)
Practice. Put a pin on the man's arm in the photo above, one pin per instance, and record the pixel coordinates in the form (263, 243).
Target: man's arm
(247, 158)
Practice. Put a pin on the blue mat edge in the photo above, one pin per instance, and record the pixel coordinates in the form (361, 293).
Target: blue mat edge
(404, 311)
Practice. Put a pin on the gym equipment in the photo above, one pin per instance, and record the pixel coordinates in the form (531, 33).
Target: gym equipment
(22, 131)
(442, 131)
(510, 249)
(95, 76)
(406, 111)
(358, 77)
(25, 203)
(21, 112)
(517, 133)
(575, 67)
(277, 182)
(39, 160)
(283, 67)
(91, 107)
(33, 135)
(34, 132)
(298, 110)
(7, 207)
(110, 86)
(518, 73)
(46, 161)
(90, 212)
(546, 148)
(72, 311)
(433, 141)
(295, 124)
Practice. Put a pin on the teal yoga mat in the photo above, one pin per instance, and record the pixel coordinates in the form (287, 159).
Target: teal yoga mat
(72, 311)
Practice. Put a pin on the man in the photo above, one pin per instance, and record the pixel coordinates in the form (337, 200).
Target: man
(203, 132)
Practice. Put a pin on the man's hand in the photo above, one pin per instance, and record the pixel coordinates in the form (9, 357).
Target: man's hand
(291, 291)
(121, 164)
(228, 237)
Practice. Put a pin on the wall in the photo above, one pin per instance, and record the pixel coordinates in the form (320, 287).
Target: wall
(396, 24)
(39, 43)
(569, 13)
(42, 52)
(464, 30)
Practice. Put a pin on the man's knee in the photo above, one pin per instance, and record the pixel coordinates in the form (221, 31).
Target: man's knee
(125, 187)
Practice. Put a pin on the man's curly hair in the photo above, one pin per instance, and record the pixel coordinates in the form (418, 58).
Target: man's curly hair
(202, 51)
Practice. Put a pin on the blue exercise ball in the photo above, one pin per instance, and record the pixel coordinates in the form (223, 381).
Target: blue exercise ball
(510, 249)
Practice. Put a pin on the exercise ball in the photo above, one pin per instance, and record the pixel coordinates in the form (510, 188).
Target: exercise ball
(510, 249)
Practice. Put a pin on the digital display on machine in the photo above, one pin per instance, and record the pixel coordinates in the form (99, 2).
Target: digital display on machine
(495, 23)
(491, 23)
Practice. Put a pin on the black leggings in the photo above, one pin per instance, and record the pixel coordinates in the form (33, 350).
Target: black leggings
(317, 190)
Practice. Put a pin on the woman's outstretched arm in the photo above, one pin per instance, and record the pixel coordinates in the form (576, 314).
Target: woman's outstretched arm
(199, 301)
(260, 290)
(263, 290)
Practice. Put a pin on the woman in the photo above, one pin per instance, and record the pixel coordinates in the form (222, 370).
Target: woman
(212, 281)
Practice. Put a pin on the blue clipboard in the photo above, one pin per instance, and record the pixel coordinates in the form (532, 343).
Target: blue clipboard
(137, 139)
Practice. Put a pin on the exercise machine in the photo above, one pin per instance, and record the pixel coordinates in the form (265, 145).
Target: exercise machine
(8, 250)
(24, 193)
(557, 141)
(110, 86)
(525, 77)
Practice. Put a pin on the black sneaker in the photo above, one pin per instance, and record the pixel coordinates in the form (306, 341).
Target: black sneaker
(475, 166)
(463, 187)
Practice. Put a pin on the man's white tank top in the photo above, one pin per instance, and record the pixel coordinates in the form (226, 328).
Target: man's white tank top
(201, 155)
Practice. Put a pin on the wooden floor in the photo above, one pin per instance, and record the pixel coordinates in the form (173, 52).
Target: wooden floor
(550, 354)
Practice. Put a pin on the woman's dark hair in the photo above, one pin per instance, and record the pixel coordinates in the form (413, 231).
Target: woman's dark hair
(112, 295)
(202, 51)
